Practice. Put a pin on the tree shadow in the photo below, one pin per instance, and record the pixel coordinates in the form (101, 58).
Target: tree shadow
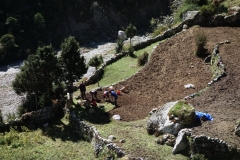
(60, 130)
(95, 115)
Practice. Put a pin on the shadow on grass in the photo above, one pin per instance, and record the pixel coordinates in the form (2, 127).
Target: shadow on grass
(59, 130)
(95, 115)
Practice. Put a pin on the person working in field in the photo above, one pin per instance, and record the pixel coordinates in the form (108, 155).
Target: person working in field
(115, 96)
(106, 95)
(82, 88)
(94, 92)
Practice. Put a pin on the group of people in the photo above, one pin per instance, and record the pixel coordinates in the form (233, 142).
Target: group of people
(94, 93)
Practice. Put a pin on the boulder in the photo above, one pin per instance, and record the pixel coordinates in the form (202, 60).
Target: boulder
(159, 121)
(122, 35)
(181, 142)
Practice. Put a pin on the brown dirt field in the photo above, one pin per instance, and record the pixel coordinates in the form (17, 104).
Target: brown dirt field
(172, 65)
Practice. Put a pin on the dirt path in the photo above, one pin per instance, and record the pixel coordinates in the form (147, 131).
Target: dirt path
(173, 65)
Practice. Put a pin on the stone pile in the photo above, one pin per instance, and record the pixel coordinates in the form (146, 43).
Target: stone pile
(91, 134)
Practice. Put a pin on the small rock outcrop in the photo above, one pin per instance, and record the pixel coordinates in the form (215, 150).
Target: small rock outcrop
(182, 141)
(159, 122)
(237, 129)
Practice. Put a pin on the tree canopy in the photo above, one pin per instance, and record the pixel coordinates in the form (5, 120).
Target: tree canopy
(38, 73)
(73, 64)
(131, 32)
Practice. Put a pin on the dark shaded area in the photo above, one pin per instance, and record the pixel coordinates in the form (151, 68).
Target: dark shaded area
(33, 24)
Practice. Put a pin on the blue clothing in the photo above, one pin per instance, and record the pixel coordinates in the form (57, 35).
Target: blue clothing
(201, 114)
(114, 94)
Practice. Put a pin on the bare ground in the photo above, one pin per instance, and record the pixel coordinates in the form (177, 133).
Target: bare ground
(173, 65)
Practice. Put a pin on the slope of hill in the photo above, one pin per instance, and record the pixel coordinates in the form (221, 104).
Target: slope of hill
(173, 65)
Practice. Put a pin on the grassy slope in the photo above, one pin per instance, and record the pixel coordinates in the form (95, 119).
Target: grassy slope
(122, 69)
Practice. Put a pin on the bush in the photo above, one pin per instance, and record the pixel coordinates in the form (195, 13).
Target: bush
(131, 51)
(158, 30)
(28, 105)
(198, 157)
(142, 59)
(208, 10)
(119, 46)
(96, 61)
(200, 42)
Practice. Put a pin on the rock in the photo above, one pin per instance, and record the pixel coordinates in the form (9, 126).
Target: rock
(185, 27)
(111, 138)
(237, 130)
(122, 35)
(190, 15)
(122, 141)
(116, 117)
(153, 111)
(181, 141)
(159, 121)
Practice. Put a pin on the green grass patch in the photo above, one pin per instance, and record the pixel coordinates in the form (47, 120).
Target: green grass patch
(184, 112)
(122, 69)
(231, 3)
(160, 29)
(54, 143)
(216, 69)
(137, 141)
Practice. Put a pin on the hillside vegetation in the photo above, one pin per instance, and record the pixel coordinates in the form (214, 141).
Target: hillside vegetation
(26, 25)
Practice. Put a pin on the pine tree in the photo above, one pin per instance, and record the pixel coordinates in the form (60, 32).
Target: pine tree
(73, 64)
(38, 73)
(131, 32)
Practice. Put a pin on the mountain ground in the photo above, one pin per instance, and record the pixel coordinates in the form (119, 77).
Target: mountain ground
(173, 65)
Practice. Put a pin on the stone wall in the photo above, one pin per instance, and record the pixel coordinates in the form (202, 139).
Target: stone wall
(33, 119)
(213, 148)
(91, 134)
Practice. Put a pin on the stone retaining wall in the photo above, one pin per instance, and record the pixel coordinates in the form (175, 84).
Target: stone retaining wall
(213, 148)
(91, 134)
(33, 119)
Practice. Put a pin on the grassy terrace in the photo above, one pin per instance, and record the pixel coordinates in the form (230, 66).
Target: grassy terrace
(122, 69)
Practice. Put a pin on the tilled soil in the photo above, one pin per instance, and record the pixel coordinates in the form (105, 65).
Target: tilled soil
(173, 65)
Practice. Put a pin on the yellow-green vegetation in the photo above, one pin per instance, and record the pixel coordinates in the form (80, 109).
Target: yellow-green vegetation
(231, 3)
(184, 112)
(137, 142)
(123, 68)
(158, 30)
(216, 69)
(187, 6)
(200, 42)
(54, 142)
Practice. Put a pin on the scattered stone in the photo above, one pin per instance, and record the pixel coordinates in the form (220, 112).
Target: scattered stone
(111, 138)
(122, 141)
(181, 141)
(237, 130)
(116, 117)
